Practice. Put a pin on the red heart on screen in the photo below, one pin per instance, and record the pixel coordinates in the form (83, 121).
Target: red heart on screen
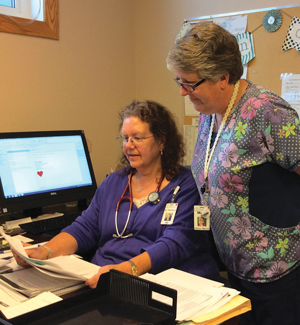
(40, 173)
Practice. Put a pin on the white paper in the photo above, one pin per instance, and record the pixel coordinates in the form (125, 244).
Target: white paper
(195, 295)
(290, 90)
(234, 25)
(15, 223)
(3, 262)
(44, 299)
(190, 137)
(33, 282)
(10, 298)
(189, 109)
(67, 267)
(245, 70)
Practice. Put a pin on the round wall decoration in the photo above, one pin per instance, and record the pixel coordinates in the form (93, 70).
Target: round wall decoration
(272, 20)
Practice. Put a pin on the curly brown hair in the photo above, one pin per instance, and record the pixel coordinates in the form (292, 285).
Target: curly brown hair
(163, 127)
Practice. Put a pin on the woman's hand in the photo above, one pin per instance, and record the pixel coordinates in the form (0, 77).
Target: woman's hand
(123, 267)
(18, 259)
(39, 253)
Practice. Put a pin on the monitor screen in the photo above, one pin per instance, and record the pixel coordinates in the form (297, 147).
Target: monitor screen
(44, 168)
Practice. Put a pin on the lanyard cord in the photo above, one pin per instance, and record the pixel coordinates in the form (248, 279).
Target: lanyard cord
(208, 156)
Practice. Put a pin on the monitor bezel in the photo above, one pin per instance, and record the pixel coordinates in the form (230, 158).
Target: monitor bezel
(38, 201)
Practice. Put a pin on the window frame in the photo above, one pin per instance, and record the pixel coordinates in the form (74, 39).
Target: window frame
(49, 28)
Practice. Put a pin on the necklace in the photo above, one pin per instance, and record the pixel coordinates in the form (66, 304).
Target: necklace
(139, 190)
(209, 153)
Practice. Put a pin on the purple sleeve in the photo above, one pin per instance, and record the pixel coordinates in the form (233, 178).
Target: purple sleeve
(179, 240)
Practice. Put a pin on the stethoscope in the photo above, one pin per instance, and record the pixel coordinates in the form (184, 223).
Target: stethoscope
(153, 197)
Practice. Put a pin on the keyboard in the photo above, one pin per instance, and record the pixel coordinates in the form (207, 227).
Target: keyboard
(45, 225)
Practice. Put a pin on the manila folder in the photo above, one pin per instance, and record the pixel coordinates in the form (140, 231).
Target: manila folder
(236, 306)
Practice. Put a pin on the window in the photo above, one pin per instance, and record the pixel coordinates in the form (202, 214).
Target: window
(28, 9)
(30, 17)
(7, 3)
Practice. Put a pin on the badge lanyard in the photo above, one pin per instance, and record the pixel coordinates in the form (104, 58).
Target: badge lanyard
(170, 209)
(153, 199)
(209, 153)
(202, 212)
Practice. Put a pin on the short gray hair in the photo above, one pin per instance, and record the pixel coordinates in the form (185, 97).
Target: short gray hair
(209, 50)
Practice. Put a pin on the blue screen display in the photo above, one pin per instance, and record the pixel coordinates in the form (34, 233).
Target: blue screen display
(42, 164)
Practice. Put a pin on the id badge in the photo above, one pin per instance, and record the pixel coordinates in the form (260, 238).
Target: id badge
(169, 214)
(201, 217)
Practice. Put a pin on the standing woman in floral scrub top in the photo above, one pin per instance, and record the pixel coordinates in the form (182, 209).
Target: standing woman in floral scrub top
(246, 165)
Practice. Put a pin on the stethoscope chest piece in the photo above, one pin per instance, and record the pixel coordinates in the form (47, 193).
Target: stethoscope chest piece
(154, 197)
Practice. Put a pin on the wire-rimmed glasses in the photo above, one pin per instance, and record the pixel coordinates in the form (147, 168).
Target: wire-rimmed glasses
(136, 141)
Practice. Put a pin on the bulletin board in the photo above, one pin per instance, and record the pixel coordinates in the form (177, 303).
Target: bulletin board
(270, 60)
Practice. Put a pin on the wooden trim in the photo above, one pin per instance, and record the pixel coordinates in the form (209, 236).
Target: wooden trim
(48, 28)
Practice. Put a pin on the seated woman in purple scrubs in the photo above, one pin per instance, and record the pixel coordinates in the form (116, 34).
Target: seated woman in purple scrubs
(141, 217)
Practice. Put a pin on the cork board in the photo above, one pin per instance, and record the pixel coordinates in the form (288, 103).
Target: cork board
(270, 61)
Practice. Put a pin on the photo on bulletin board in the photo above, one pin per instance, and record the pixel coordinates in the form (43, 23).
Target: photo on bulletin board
(189, 107)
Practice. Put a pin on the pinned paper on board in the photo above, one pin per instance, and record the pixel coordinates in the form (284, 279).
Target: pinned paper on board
(292, 38)
(245, 41)
(184, 29)
(234, 25)
(290, 90)
(190, 137)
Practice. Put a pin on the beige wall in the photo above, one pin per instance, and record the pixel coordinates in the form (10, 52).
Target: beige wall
(157, 24)
(77, 82)
(108, 52)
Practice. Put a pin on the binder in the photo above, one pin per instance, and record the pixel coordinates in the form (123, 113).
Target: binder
(119, 298)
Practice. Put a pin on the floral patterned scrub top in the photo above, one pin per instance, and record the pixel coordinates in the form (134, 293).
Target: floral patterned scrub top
(262, 130)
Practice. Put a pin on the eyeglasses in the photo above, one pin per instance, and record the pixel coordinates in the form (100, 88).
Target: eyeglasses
(136, 141)
(187, 86)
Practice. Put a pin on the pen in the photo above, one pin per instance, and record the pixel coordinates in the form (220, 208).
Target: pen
(32, 246)
(5, 251)
(176, 190)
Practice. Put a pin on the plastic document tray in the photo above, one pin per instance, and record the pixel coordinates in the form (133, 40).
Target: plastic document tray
(119, 299)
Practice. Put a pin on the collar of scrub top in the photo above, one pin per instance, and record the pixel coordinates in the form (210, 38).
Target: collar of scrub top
(130, 199)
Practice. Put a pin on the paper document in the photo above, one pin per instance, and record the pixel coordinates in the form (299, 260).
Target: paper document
(190, 137)
(32, 282)
(196, 296)
(236, 306)
(67, 267)
(15, 223)
(40, 301)
(290, 90)
(234, 24)
(10, 298)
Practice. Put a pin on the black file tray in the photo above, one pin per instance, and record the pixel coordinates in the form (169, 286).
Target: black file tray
(119, 299)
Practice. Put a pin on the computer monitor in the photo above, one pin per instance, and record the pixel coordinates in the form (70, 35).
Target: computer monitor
(39, 169)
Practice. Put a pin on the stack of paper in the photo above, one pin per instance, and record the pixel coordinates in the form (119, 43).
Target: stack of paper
(198, 299)
(56, 267)
(44, 299)
(52, 276)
